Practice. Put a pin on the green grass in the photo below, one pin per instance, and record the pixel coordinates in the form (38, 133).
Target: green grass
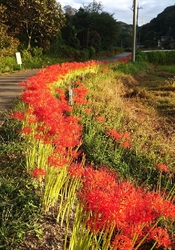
(168, 68)
(19, 202)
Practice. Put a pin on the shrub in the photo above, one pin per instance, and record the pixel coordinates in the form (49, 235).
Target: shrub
(161, 57)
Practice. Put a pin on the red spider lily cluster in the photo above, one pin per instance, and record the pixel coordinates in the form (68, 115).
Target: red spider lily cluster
(49, 116)
(122, 138)
(132, 213)
(100, 119)
(38, 173)
(125, 59)
(163, 168)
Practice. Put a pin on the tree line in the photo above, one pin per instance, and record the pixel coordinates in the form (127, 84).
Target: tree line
(26, 24)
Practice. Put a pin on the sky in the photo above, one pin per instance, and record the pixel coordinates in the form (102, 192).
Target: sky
(122, 9)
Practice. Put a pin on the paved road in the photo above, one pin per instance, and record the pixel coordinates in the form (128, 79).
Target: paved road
(114, 58)
(10, 89)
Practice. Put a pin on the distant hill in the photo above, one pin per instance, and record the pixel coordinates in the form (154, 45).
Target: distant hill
(125, 37)
(161, 26)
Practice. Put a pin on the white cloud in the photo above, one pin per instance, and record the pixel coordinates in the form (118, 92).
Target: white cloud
(148, 9)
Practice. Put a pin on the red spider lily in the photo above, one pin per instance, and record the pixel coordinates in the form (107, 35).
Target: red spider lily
(76, 170)
(161, 236)
(126, 144)
(61, 94)
(38, 137)
(67, 126)
(125, 59)
(18, 115)
(130, 210)
(105, 70)
(161, 206)
(126, 136)
(163, 168)
(79, 94)
(122, 242)
(87, 111)
(38, 173)
(31, 119)
(100, 119)
(122, 60)
(57, 161)
(116, 135)
(74, 153)
(41, 128)
(26, 130)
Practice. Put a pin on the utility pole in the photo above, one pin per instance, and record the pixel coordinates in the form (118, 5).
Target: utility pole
(134, 29)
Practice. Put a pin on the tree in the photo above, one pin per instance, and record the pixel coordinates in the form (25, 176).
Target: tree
(34, 19)
(8, 45)
(69, 11)
(92, 27)
(107, 28)
(96, 7)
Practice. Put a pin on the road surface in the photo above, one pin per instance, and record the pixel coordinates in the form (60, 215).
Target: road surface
(10, 89)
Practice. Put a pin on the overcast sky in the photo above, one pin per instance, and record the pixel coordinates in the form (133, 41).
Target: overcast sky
(148, 9)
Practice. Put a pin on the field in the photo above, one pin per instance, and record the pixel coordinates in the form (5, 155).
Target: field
(87, 159)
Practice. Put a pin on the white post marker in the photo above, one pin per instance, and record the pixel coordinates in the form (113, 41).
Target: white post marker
(18, 58)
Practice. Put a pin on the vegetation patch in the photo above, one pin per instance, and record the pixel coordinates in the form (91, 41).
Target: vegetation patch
(109, 146)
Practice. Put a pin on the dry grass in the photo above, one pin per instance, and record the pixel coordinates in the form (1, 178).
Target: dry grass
(131, 104)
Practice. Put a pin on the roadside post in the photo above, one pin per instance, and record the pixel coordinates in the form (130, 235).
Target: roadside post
(18, 59)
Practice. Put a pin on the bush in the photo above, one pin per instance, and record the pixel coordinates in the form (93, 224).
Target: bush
(91, 52)
(8, 64)
(37, 51)
(161, 57)
(141, 56)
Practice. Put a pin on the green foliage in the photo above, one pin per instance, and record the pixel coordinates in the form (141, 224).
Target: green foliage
(36, 51)
(131, 68)
(72, 54)
(8, 64)
(141, 56)
(161, 57)
(31, 59)
(103, 151)
(90, 27)
(24, 15)
(91, 52)
(169, 68)
(156, 57)
(8, 44)
(19, 203)
(125, 36)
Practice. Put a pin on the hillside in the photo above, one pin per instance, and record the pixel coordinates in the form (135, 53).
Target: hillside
(162, 25)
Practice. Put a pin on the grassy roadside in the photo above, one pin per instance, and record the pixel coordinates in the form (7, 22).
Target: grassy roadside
(134, 105)
(19, 204)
